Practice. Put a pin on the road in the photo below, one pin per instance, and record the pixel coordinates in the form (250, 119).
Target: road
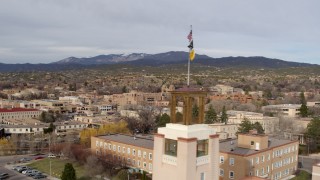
(308, 161)
(5, 168)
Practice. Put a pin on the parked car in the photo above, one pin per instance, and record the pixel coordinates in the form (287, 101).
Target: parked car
(51, 156)
(34, 172)
(24, 160)
(26, 171)
(39, 176)
(4, 175)
(37, 158)
(15, 167)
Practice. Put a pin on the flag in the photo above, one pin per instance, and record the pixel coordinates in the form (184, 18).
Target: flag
(190, 36)
(191, 45)
(192, 55)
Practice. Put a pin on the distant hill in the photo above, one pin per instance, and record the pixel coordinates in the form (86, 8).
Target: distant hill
(160, 59)
(180, 57)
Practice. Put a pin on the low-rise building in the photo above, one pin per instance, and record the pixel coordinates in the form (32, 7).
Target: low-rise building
(225, 131)
(253, 154)
(269, 124)
(135, 152)
(316, 172)
(7, 114)
(290, 110)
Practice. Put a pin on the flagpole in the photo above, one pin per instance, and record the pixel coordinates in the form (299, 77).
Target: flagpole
(188, 82)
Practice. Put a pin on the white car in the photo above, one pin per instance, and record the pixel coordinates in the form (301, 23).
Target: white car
(51, 156)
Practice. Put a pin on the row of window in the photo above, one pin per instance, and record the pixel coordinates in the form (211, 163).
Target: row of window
(285, 151)
(284, 162)
(231, 174)
(123, 149)
(278, 175)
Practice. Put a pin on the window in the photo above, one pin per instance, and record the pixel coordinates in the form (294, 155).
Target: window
(128, 150)
(268, 169)
(262, 158)
(133, 152)
(202, 176)
(202, 148)
(221, 159)
(150, 156)
(123, 150)
(144, 165)
(114, 147)
(221, 172)
(139, 163)
(252, 143)
(119, 149)
(97, 143)
(144, 155)
(257, 160)
(268, 157)
(231, 161)
(150, 166)
(139, 153)
(231, 174)
(171, 147)
(105, 145)
(109, 146)
(257, 172)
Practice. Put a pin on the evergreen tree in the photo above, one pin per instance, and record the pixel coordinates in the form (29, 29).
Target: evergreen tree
(245, 126)
(69, 173)
(224, 116)
(257, 126)
(303, 108)
(195, 112)
(162, 120)
(211, 115)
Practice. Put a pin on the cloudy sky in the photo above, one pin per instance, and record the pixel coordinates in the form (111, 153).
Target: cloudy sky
(43, 31)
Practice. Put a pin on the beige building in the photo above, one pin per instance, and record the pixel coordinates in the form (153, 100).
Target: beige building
(134, 152)
(269, 124)
(257, 155)
(316, 172)
(8, 114)
(186, 152)
(225, 131)
(290, 110)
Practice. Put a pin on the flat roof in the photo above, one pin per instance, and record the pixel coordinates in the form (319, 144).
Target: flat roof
(16, 110)
(139, 141)
(231, 146)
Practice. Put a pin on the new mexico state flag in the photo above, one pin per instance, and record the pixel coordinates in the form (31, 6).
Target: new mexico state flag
(192, 55)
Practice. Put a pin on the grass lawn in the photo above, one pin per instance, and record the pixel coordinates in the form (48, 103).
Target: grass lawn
(57, 166)
(303, 175)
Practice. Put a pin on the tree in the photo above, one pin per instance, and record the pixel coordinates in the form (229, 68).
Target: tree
(195, 112)
(50, 129)
(179, 117)
(224, 116)
(69, 173)
(162, 120)
(312, 133)
(245, 126)
(211, 115)
(257, 126)
(303, 108)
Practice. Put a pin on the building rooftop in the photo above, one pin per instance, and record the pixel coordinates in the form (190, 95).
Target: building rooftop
(139, 141)
(231, 146)
(16, 110)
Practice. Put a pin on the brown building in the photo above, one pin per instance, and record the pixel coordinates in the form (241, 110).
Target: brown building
(257, 155)
(134, 152)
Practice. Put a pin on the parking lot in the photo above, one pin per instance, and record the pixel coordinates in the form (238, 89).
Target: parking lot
(8, 162)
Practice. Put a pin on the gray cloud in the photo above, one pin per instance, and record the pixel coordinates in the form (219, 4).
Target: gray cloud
(40, 31)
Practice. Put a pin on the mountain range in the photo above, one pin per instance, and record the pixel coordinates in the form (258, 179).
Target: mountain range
(160, 59)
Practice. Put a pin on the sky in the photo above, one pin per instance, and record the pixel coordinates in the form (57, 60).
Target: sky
(44, 31)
